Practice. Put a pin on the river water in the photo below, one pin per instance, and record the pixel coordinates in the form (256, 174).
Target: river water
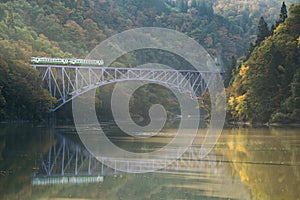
(246, 163)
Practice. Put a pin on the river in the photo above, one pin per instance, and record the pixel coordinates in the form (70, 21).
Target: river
(246, 163)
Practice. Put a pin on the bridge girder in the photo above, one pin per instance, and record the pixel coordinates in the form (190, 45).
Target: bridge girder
(68, 82)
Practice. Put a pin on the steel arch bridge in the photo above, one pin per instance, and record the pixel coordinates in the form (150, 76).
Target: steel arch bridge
(66, 82)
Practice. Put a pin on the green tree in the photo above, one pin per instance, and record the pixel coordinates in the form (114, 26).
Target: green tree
(263, 31)
(2, 13)
(230, 71)
(182, 5)
(10, 19)
(283, 14)
(194, 4)
(249, 51)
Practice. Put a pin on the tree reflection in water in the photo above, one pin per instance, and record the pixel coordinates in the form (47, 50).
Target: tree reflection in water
(267, 161)
(247, 163)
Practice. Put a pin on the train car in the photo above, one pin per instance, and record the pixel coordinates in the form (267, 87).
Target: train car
(42, 60)
(87, 62)
(66, 61)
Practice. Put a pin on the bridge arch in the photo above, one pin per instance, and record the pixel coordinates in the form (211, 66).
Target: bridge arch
(66, 83)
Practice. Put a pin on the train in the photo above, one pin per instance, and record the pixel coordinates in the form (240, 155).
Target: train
(66, 61)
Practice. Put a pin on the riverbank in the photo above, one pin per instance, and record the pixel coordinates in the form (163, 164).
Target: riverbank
(257, 124)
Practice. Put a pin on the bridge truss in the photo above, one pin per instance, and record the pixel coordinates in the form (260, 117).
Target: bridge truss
(67, 82)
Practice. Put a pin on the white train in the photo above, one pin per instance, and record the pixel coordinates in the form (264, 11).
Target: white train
(66, 61)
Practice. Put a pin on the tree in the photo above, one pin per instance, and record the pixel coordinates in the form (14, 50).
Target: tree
(229, 72)
(182, 5)
(249, 51)
(185, 6)
(2, 14)
(283, 14)
(263, 31)
(10, 20)
(293, 22)
(194, 4)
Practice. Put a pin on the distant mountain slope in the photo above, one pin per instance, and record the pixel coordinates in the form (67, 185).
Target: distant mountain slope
(246, 13)
(254, 9)
(77, 26)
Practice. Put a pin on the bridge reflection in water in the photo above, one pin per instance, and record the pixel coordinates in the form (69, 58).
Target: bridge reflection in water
(69, 162)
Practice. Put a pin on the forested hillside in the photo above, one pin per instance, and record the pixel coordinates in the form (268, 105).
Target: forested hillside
(266, 87)
(77, 26)
(67, 28)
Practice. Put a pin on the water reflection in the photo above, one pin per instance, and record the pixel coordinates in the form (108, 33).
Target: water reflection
(65, 157)
(267, 161)
(245, 164)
